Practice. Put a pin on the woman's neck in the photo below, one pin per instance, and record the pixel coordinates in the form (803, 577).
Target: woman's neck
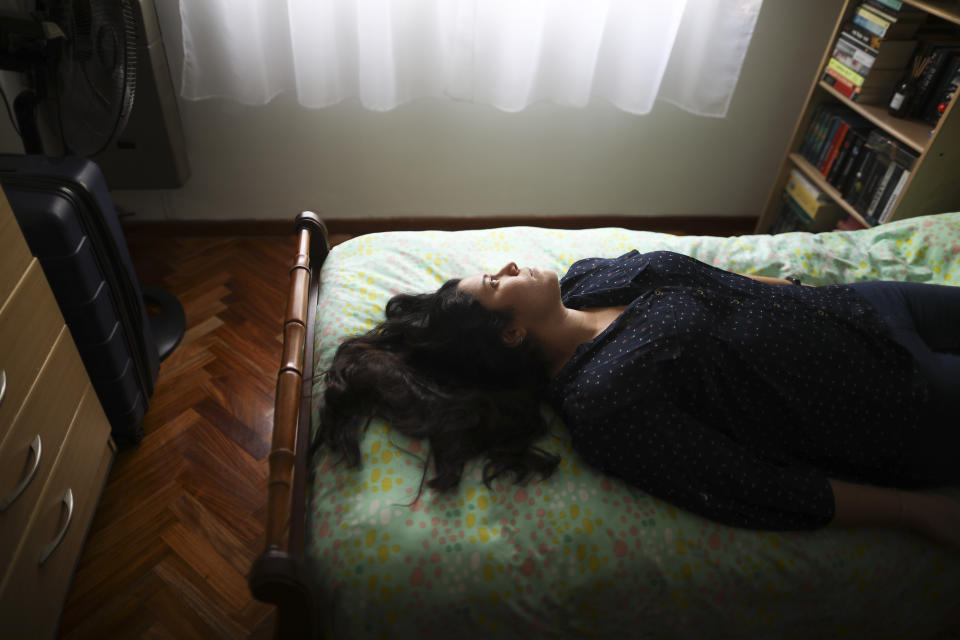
(560, 339)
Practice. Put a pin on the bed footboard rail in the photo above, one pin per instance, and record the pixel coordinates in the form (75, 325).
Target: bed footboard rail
(278, 575)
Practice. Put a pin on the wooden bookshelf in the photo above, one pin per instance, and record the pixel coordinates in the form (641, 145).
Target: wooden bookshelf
(948, 10)
(934, 182)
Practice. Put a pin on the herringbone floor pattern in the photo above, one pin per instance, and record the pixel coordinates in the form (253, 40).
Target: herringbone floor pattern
(181, 518)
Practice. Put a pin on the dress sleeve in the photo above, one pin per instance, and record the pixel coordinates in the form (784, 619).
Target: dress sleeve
(675, 457)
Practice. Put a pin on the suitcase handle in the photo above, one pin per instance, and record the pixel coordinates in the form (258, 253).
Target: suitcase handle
(13, 495)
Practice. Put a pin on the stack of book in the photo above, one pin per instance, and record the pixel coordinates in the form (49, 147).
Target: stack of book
(866, 166)
(873, 50)
(835, 142)
(880, 177)
(805, 207)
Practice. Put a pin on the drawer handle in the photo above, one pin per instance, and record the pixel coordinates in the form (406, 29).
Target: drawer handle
(10, 499)
(3, 385)
(50, 548)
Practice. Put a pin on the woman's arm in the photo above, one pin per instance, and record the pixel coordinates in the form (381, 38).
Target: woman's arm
(929, 514)
(864, 505)
(766, 279)
(769, 280)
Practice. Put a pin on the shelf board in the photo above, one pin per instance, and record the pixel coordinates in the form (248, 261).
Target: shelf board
(913, 133)
(946, 9)
(817, 178)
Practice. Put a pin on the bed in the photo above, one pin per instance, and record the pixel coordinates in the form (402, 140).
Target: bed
(578, 554)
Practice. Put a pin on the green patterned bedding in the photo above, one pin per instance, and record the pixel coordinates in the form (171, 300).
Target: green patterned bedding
(581, 555)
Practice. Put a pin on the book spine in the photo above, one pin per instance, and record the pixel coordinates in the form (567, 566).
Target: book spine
(868, 158)
(843, 180)
(842, 85)
(944, 91)
(880, 189)
(831, 131)
(887, 192)
(894, 5)
(815, 131)
(845, 72)
(881, 10)
(831, 156)
(799, 214)
(853, 55)
(926, 82)
(869, 39)
(862, 19)
(818, 138)
(888, 210)
(841, 158)
(803, 181)
(870, 184)
(804, 199)
(875, 17)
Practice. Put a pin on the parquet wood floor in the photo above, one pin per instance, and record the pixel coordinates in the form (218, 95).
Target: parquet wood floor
(182, 516)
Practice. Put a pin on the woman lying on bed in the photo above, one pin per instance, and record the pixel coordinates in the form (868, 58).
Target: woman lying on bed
(747, 400)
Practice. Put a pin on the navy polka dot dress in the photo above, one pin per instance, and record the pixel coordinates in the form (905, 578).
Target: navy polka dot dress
(732, 398)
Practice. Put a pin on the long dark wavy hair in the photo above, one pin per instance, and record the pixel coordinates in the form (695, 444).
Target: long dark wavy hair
(437, 369)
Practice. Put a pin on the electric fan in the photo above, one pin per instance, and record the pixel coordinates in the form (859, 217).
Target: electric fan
(79, 58)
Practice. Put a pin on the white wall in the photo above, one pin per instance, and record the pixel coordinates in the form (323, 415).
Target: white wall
(443, 158)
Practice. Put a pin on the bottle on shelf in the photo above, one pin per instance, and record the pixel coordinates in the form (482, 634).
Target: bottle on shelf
(906, 89)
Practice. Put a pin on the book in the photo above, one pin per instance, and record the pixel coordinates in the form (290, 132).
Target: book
(881, 10)
(871, 21)
(887, 146)
(894, 5)
(845, 72)
(885, 192)
(848, 151)
(939, 54)
(854, 55)
(884, 185)
(828, 129)
(888, 209)
(861, 56)
(833, 148)
(807, 195)
(808, 135)
(867, 159)
(842, 180)
(944, 92)
(843, 86)
(786, 219)
(873, 177)
(861, 35)
(875, 87)
(797, 212)
(819, 129)
(819, 214)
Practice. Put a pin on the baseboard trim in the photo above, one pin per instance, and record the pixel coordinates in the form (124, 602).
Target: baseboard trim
(690, 225)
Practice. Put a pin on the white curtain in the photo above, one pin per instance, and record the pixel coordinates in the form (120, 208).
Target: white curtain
(504, 53)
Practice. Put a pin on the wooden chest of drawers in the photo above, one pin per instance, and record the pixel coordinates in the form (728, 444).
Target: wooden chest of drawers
(55, 444)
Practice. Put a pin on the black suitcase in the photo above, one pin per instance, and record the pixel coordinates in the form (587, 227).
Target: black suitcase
(64, 208)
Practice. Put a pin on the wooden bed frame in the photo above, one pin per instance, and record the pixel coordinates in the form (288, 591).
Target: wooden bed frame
(279, 576)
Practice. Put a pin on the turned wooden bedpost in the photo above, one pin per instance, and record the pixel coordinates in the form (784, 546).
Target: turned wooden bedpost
(276, 575)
